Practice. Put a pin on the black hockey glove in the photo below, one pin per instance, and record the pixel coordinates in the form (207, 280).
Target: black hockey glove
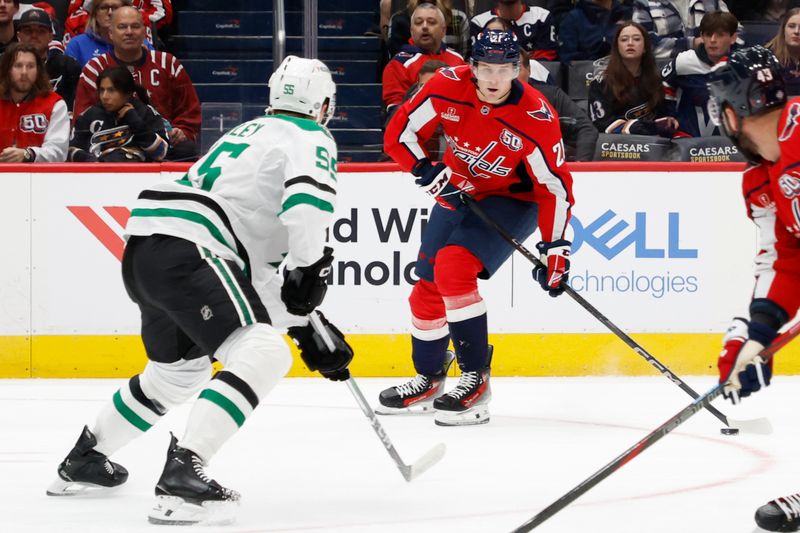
(435, 180)
(304, 288)
(315, 353)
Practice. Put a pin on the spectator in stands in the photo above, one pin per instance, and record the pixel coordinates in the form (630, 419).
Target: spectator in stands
(533, 26)
(786, 47)
(456, 35)
(627, 97)
(157, 13)
(34, 125)
(122, 127)
(685, 76)
(587, 32)
(7, 34)
(96, 39)
(427, 34)
(579, 133)
(36, 29)
(674, 24)
(436, 145)
(171, 90)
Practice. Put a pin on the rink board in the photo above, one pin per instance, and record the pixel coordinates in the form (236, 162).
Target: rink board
(664, 251)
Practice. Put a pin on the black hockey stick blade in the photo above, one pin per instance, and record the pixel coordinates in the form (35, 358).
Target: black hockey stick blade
(745, 425)
(628, 455)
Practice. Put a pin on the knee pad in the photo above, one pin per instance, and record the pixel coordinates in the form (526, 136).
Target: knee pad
(765, 311)
(428, 320)
(257, 356)
(456, 271)
(171, 384)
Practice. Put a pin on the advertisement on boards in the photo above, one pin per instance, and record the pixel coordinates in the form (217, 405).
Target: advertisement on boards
(655, 252)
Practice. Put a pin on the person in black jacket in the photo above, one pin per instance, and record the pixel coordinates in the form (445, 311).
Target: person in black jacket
(628, 96)
(579, 133)
(121, 128)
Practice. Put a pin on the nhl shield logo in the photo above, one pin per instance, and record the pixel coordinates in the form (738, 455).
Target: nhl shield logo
(485, 110)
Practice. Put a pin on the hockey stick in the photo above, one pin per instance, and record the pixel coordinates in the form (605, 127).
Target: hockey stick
(758, 425)
(685, 414)
(409, 472)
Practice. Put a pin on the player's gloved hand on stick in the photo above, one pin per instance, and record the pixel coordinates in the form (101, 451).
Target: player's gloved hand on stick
(739, 363)
(304, 288)
(553, 273)
(316, 354)
(435, 180)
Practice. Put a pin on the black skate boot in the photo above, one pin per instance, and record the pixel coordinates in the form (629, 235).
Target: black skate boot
(186, 495)
(85, 468)
(417, 395)
(781, 514)
(468, 403)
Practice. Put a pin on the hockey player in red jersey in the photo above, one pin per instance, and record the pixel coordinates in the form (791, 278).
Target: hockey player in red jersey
(749, 102)
(505, 150)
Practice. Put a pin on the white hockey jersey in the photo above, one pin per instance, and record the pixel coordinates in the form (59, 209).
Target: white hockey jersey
(263, 197)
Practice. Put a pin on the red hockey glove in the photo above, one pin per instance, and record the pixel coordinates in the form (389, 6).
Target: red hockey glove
(554, 272)
(435, 180)
(739, 363)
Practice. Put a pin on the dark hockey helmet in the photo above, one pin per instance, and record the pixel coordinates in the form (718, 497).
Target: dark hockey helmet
(750, 82)
(495, 55)
(496, 46)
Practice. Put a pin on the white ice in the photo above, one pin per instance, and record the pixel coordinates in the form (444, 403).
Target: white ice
(308, 460)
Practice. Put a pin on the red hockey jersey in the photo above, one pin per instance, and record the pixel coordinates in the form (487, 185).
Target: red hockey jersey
(772, 196)
(514, 149)
(403, 70)
(40, 123)
(168, 85)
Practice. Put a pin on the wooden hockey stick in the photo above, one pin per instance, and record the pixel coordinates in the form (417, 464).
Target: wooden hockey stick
(682, 416)
(409, 472)
(759, 425)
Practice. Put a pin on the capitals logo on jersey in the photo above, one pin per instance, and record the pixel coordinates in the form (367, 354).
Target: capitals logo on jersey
(543, 113)
(479, 164)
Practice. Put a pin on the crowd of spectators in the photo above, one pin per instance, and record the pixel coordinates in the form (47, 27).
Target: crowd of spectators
(109, 94)
(650, 60)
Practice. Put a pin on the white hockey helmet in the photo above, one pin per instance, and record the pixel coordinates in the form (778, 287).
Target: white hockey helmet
(303, 86)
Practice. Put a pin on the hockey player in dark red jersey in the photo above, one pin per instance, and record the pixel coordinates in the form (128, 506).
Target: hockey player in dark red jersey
(749, 102)
(505, 150)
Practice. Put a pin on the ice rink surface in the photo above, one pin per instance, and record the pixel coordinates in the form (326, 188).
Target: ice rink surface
(308, 460)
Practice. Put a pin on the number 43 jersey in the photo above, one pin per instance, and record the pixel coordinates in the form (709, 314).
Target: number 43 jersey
(513, 149)
(264, 194)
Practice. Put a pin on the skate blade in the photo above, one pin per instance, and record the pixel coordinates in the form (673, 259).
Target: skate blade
(175, 511)
(60, 487)
(423, 408)
(470, 417)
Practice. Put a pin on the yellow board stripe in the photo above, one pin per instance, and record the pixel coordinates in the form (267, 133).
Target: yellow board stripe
(564, 354)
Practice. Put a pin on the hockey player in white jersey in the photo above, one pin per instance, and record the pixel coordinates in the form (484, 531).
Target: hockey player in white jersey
(219, 262)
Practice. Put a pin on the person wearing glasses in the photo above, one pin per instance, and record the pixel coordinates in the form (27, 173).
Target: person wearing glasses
(96, 39)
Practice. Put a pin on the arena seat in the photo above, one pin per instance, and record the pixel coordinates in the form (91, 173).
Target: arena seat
(579, 75)
(758, 32)
(612, 147)
(259, 70)
(706, 150)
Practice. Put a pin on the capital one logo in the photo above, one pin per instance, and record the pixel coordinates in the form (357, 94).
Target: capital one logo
(596, 235)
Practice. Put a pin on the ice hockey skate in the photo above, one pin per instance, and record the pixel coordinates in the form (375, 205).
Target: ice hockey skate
(186, 495)
(781, 514)
(468, 403)
(86, 469)
(415, 396)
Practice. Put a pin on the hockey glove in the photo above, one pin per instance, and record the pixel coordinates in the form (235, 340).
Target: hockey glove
(304, 288)
(553, 273)
(435, 180)
(739, 363)
(316, 354)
